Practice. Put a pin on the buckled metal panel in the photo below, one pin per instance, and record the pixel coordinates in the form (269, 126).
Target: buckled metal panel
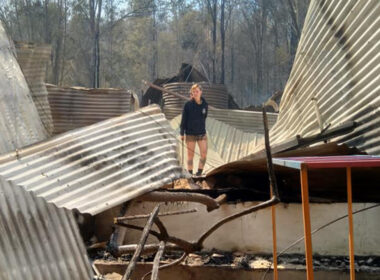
(338, 65)
(74, 107)
(100, 166)
(225, 143)
(37, 240)
(246, 121)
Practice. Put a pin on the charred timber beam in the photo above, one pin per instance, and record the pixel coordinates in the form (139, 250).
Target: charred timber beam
(147, 249)
(177, 261)
(192, 246)
(185, 245)
(145, 216)
(272, 177)
(163, 231)
(327, 134)
(160, 196)
(299, 142)
(263, 205)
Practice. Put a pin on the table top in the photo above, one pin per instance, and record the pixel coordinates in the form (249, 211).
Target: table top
(329, 161)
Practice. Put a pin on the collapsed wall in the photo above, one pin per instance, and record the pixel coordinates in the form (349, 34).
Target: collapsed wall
(75, 107)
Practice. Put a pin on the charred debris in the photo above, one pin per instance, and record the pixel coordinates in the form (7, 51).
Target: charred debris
(106, 193)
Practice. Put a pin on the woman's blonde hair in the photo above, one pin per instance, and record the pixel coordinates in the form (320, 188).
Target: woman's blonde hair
(193, 87)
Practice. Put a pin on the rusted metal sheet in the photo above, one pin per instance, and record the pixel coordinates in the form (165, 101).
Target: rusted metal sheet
(97, 167)
(37, 240)
(225, 143)
(246, 121)
(337, 64)
(215, 94)
(33, 59)
(74, 107)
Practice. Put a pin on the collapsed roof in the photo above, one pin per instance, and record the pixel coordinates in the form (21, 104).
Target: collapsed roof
(332, 94)
(100, 166)
(334, 80)
(37, 239)
(335, 77)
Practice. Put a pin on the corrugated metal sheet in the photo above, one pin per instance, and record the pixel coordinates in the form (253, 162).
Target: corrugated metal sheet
(337, 63)
(225, 143)
(74, 107)
(20, 123)
(246, 121)
(37, 240)
(215, 94)
(33, 60)
(97, 167)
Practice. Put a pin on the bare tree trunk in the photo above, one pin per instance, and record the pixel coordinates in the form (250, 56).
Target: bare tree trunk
(58, 46)
(95, 14)
(277, 66)
(295, 32)
(259, 51)
(30, 21)
(93, 44)
(223, 39)
(212, 7)
(62, 72)
(97, 45)
(112, 19)
(154, 44)
(214, 42)
(46, 16)
(232, 57)
(18, 20)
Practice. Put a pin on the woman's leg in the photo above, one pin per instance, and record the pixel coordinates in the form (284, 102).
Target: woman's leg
(203, 151)
(190, 144)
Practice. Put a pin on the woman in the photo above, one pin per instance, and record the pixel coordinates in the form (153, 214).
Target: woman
(193, 125)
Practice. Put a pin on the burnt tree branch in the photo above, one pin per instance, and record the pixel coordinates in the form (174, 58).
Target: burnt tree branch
(157, 258)
(141, 244)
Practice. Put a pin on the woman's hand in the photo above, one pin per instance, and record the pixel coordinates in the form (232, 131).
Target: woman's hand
(182, 137)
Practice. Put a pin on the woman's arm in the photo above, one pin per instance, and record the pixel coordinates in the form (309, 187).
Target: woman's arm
(183, 121)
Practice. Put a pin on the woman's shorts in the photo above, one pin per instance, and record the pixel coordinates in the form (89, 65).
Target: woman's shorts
(193, 138)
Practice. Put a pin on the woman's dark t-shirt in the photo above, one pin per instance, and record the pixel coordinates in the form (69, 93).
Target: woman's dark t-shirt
(194, 118)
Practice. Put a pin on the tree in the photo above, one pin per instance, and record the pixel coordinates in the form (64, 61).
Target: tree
(212, 9)
(249, 44)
